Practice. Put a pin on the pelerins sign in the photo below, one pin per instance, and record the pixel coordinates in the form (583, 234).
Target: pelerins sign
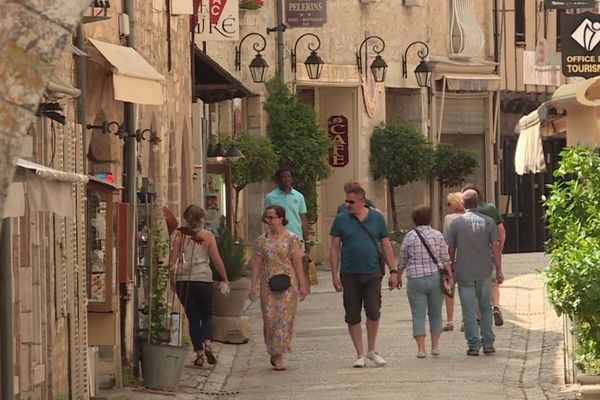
(300, 13)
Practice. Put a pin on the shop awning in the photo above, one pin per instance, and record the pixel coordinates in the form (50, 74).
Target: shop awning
(582, 102)
(472, 82)
(529, 154)
(47, 189)
(213, 82)
(134, 79)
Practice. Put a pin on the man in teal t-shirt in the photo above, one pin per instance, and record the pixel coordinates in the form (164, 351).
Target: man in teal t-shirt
(490, 210)
(292, 201)
(357, 231)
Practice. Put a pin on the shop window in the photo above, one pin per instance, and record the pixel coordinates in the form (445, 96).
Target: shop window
(101, 249)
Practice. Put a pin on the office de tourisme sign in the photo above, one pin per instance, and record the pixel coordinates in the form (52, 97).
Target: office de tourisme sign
(580, 41)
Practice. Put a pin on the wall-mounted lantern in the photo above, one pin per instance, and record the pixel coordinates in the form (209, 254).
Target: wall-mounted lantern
(314, 63)
(423, 71)
(258, 66)
(378, 66)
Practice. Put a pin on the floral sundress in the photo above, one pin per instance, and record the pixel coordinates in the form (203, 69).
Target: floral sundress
(278, 308)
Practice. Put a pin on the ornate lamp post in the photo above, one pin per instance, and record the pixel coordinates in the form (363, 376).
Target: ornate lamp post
(423, 71)
(314, 63)
(378, 66)
(258, 66)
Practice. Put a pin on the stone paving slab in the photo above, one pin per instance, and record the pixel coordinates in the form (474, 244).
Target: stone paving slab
(528, 364)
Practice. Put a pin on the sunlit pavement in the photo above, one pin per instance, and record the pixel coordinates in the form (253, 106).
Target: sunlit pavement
(528, 363)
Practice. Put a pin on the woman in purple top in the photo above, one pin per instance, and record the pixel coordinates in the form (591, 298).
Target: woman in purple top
(423, 273)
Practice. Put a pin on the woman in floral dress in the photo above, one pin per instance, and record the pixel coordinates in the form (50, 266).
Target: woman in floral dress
(278, 252)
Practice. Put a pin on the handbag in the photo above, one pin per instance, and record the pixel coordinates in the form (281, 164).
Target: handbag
(310, 270)
(377, 247)
(445, 281)
(279, 282)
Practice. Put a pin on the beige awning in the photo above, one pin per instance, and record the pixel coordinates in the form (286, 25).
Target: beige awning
(529, 154)
(582, 102)
(134, 79)
(47, 189)
(472, 82)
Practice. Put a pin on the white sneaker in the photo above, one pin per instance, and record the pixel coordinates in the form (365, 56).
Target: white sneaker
(376, 358)
(360, 362)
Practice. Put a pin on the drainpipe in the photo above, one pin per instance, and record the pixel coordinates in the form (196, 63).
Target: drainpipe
(131, 195)
(280, 45)
(6, 311)
(81, 99)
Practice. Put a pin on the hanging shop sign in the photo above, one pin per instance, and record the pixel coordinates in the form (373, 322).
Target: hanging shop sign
(218, 20)
(564, 4)
(337, 126)
(580, 41)
(303, 13)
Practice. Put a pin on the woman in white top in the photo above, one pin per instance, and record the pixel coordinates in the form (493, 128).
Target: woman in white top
(192, 280)
(455, 208)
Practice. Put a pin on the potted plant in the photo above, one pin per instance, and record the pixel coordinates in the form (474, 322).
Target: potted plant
(400, 154)
(251, 4)
(300, 143)
(162, 363)
(451, 167)
(233, 253)
(573, 276)
(258, 163)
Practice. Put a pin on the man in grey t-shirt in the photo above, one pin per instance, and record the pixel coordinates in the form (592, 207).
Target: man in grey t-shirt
(470, 239)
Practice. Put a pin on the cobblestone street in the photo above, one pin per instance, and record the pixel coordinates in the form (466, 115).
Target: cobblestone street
(528, 363)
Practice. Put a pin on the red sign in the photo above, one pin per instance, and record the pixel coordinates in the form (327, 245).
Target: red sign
(215, 9)
(337, 126)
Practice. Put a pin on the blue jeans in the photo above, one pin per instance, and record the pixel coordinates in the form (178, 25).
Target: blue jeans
(473, 293)
(425, 297)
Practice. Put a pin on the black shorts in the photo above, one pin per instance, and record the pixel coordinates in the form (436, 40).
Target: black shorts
(361, 289)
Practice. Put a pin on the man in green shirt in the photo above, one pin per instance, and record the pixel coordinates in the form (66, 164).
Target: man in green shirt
(490, 210)
(292, 201)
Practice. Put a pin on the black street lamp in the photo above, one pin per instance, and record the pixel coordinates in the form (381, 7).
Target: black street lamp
(378, 66)
(314, 63)
(423, 71)
(258, 66)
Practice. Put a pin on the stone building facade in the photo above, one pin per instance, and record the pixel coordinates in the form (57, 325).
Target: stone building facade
(67, 341)
(460, 111)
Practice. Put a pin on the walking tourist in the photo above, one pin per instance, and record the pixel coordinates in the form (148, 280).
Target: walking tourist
(278, 264)
(423, 278)
(192, 279)
(470, 238)
(455, 208)
(362, 235)
(293, 202)
(491, 211)
(350, 185)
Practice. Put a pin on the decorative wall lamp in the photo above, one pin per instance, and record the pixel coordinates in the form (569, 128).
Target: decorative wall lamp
(217, 152)
(154, 139)
(99, 11)
(112, 127)
(423, 71)
(314, 63)
(258, 66)
(378, 66)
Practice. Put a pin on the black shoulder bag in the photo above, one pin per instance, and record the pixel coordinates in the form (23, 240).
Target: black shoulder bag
(445, 283)
(377, 247)
(280, 282)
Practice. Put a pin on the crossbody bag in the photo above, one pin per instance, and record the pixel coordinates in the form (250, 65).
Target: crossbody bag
(445, 281)
(377, 247)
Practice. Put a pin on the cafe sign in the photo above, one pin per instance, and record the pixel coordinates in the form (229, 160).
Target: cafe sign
(580, 41)
(303, 13)
(218, 20)
(564, 4)
(337, 126)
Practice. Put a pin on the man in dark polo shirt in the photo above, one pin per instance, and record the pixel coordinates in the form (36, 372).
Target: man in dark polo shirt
(358, 232)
